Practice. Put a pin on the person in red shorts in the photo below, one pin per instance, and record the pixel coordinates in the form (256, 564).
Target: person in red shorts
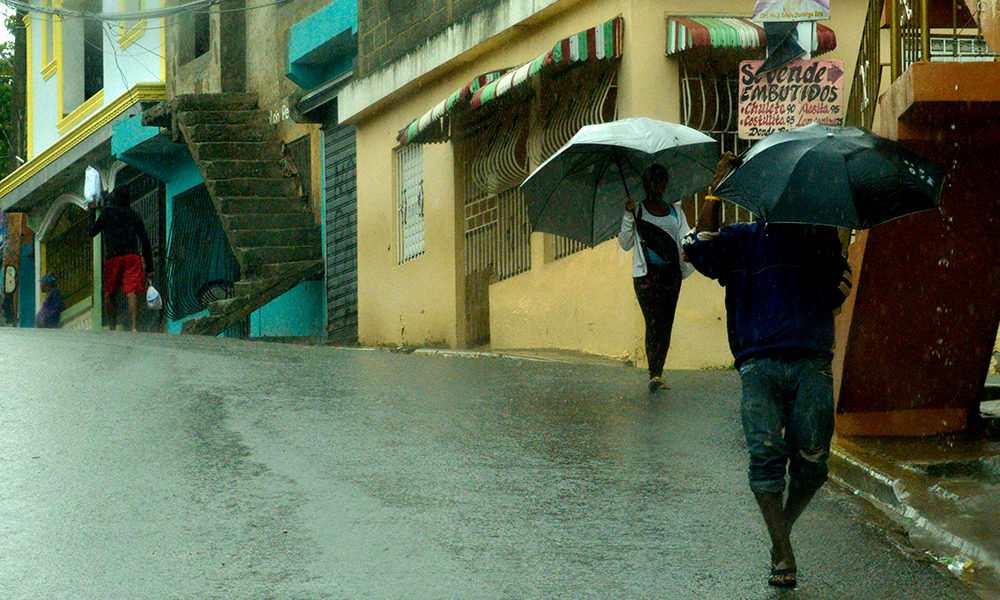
(124, 235)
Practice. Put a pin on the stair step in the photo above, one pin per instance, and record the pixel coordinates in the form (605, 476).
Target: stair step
(242, 169)
(267, 205)
(235, 150)
(268, 270)
(275, 220)
(222, 117)
(251, 287)
(213, 102)
(253, 188)
(257, 256)
(239, 132)
(302, 236)
(218, 307)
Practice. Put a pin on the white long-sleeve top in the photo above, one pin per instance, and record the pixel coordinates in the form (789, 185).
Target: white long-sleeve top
(675, 224)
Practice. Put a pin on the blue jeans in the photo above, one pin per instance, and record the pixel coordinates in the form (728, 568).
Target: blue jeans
(787, 414)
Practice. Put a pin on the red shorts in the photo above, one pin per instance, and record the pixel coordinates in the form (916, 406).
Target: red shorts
(125, 273)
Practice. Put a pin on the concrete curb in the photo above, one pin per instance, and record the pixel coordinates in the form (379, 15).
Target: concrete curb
(907, 497)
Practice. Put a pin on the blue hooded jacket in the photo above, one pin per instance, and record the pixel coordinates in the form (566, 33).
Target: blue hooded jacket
(782, 282)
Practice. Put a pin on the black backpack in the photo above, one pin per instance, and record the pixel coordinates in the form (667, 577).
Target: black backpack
(659, 241)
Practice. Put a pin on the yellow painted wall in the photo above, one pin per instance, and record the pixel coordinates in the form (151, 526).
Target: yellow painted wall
(413, 303)
(584, 302)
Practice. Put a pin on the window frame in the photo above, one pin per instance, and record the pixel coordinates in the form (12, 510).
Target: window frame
(410, 225)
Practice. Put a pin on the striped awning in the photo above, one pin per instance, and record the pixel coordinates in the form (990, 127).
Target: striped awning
(596, 43)
(412, 131)
(687, 33)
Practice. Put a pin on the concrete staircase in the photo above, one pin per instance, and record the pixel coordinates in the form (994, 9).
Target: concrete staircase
(257, 195)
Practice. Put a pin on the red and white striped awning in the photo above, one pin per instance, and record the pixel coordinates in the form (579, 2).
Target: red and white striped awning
(687, 33)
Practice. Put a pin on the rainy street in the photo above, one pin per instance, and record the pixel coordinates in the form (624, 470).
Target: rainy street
(176, 467)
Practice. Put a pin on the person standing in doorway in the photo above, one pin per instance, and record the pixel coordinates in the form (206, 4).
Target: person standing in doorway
(783, 283)
(124, 236)
(653, 230)
(52, 306)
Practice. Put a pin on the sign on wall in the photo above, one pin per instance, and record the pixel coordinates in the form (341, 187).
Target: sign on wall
(791, 10)
(799, 93)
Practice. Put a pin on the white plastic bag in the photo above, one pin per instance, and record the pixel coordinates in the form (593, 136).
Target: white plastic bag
(153, 299)
(92, 185)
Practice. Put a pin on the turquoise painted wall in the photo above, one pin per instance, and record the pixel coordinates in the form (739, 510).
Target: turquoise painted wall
(297, 313)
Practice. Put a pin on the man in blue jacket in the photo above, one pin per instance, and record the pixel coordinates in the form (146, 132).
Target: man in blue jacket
(783, 283)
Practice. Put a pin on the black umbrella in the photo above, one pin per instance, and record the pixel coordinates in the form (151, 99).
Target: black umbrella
(840, 176)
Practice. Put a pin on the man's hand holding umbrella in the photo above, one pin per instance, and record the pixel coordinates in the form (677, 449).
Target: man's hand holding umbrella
(709, 217)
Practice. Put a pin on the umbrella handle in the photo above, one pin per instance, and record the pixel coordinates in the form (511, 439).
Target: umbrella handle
(621, 173)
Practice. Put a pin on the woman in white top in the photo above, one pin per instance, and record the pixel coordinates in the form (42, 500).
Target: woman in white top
(653, 232)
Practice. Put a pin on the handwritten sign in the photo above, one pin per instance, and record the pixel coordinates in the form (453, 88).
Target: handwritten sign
(791, 10)
(799, 93)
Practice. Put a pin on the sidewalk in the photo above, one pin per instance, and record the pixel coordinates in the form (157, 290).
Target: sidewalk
(944, 491)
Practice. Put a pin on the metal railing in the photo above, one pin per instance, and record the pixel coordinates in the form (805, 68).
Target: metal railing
(868, 73)
(915, 35)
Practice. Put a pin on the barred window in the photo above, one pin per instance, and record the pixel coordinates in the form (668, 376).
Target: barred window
(410, 202)
(709, 103)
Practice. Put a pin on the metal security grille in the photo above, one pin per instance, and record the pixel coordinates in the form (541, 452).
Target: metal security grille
(70, 255)
(710, 103)
(498, 236)
(582, 96)
(410, 202)
(200, 266)
(340, 151)
(497, 232)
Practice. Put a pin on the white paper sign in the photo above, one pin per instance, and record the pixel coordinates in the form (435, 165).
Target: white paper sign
(791, 10)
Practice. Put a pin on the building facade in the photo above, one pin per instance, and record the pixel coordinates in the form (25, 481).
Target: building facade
(84, 75)
(461, 104)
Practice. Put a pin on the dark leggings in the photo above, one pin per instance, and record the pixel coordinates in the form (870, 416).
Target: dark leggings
(657, 293)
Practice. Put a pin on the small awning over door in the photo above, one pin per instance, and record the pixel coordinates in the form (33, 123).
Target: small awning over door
(688, 33)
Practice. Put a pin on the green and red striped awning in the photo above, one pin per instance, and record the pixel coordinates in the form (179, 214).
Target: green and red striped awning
(687, 33)
(597, 43)
(412, 131)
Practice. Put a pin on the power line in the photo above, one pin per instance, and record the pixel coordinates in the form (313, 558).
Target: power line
(197, 5)
(191, 7)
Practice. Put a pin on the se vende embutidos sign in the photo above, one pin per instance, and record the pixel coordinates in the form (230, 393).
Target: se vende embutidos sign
(793, 95)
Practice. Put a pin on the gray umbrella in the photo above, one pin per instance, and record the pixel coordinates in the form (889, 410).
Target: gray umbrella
(580, 191)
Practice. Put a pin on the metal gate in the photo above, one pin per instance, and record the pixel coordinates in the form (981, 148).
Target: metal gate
(340, 152)
(201, 267)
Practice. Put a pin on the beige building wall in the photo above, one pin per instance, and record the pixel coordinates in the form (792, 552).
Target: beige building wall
(413, 303)
(584, 302)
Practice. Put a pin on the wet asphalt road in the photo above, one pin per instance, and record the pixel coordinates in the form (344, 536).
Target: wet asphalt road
(156, 467)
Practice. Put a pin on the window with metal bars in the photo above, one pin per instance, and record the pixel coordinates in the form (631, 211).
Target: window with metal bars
(710, 103)
(497, 232)
(585, 95)
(409, 202)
